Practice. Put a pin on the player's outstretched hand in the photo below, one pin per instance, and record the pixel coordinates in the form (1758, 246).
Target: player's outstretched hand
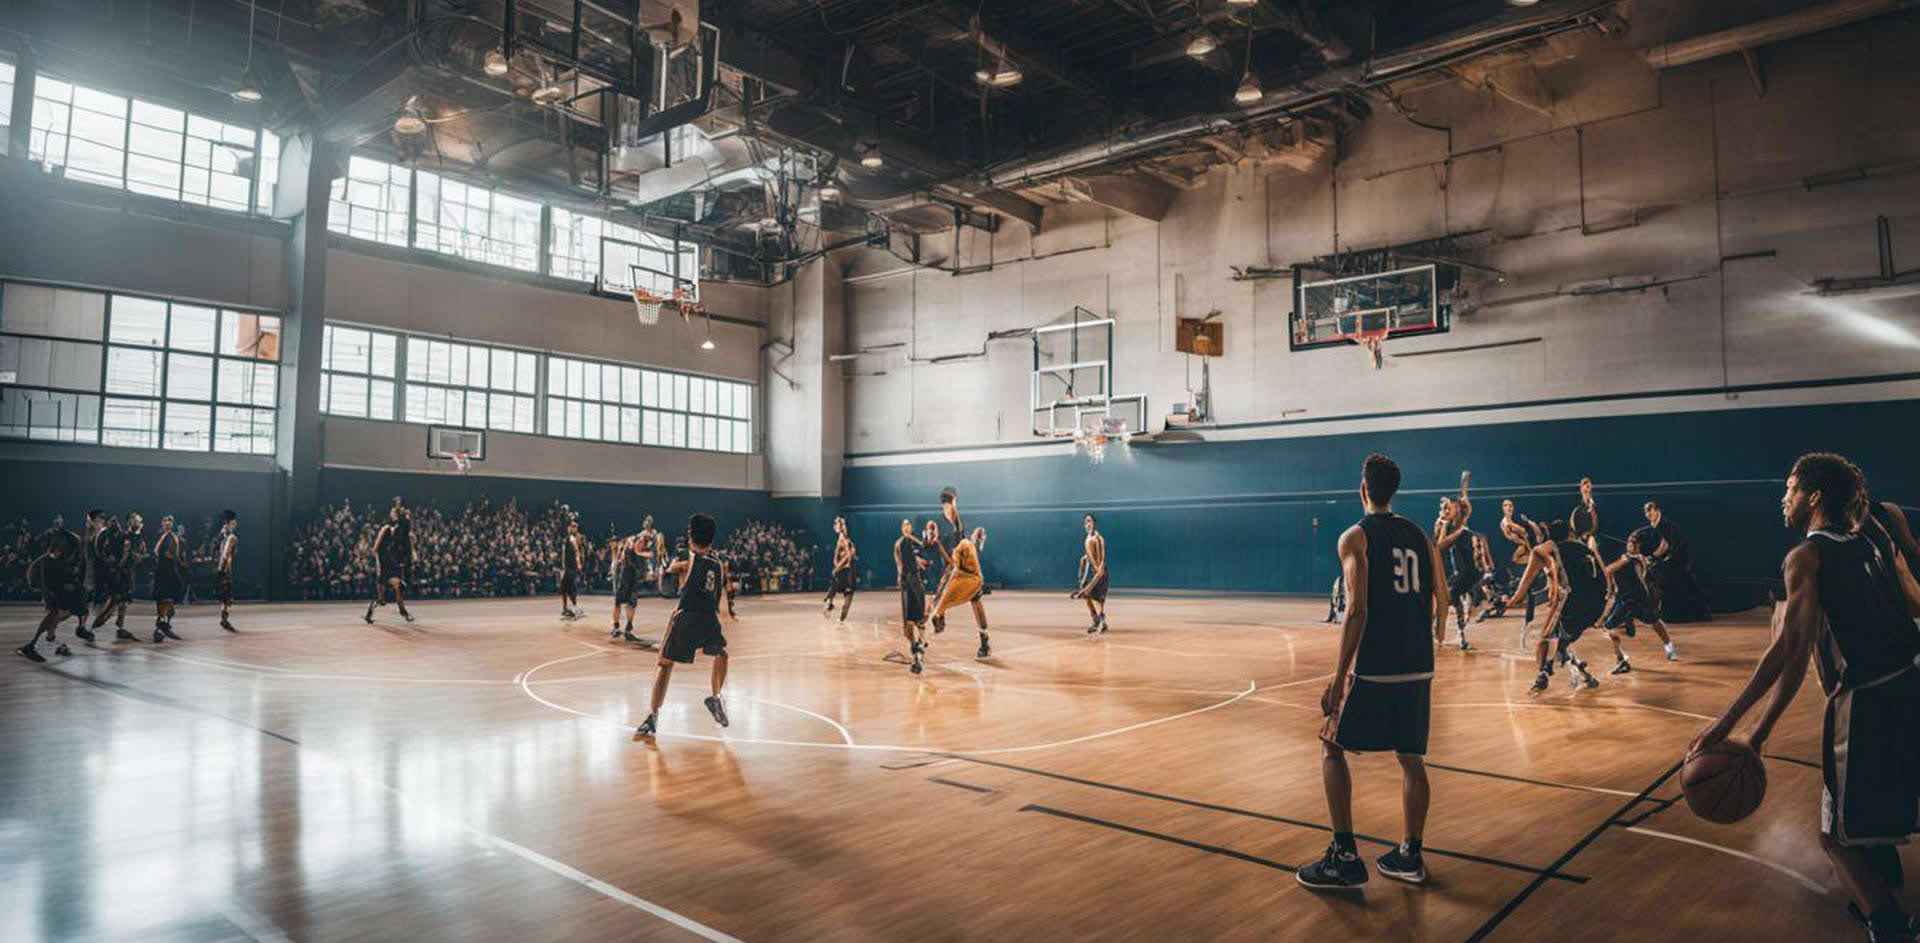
(1713, 733)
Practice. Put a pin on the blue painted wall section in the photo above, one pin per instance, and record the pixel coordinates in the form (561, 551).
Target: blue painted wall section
(1263, 515)
(35, 490)
(815, 517)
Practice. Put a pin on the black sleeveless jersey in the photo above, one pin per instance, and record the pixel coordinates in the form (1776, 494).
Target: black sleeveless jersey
(569, 554)
(1460, 555)
(1868, 633)
(111, 545)
(906, 559)
(1582, 569)
(700, 590)
(1398, 637)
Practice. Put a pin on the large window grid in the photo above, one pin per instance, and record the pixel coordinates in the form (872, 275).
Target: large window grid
(6, 102)
(136, 371)
(358, 368)
(472, 385)
(147, 148)
(372, 202)
(639, 406)
(476, 223)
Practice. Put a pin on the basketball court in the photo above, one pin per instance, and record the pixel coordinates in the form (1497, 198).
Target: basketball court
(473, 774)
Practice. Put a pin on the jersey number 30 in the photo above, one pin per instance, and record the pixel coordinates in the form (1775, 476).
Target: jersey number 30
(1406, 570)
(711, 576)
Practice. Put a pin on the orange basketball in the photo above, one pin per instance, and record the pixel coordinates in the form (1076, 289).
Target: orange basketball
(1724, 783)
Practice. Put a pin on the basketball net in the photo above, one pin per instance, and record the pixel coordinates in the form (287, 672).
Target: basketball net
(1370, 341)
(649, 305)
(1094, 442)
(463, 462)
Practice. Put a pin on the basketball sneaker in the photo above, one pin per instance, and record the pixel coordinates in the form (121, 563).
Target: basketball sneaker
(1093, 628)
(985, 649)
(30, 653)
(1671, 654)
(1103, 624)
(1539, 684)
(86, 634)
(158, 637)
(1402, 864)
(719, 712)
(62, 649)
(125, 636)
(166, 629)
(1336, 870)
(647, 728)
(1621, 667)
(369, 616)
(919, 650)
(229, 626)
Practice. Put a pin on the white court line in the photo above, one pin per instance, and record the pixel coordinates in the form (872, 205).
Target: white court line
(282, 674)
(256, 928)
(844, 734)
(526, 686)
(1805, 881)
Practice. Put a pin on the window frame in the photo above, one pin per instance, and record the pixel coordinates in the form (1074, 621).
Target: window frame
(159, 398)
(644, 411)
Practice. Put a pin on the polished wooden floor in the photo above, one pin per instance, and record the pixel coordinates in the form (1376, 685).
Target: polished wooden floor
(471, 776)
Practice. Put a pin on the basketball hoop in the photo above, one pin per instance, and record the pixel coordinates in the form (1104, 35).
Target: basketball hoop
(463, 462)
(1094, 442)
(649, 306)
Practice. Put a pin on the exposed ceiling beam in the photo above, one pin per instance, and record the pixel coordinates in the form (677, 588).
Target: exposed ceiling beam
(1029, 54)
(1133, 194)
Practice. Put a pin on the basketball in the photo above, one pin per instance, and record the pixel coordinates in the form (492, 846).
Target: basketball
(1724, 783)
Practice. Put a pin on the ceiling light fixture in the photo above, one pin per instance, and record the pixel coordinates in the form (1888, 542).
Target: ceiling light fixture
(249, 88)
(830, 192)
(708, 343)
(410, 120)
(1004, 74)
(1241, 3)
(496, 62)
(1249, 91)
(870, 156)
(1522, 3)
(1201, 45)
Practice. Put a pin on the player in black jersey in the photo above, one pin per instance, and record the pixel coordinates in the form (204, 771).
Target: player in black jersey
(628, 571)
(1851, 602)
(1396, 614)
(1630, 601)
(169, 576)
(963, 567)
(573, 556)
(908, 560)
(843, 574)
(1584, 519)
(392, 562)
(1577, 595)
(223, 562)
(96, 568)
(1457, 545)
(695, 625)
(112, 576)
(1093, 576)
(58, 574)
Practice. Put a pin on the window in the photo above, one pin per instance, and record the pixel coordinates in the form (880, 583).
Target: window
(638, 406)
(591, 249)
(6, 102)
(81, 132)
(577, 249)
(455, 384)
(127, 370)
(476, 223)
(357, 372)
(145, 147)
(372, 202)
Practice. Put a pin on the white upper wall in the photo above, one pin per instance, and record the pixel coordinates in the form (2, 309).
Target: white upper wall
(1638, 144)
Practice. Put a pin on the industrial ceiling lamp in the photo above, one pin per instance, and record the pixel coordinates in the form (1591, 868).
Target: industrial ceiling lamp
(496, 63)
(410, 120)
(708, 343)
(1201, 45)
(1003, 74)
(1241, 3)
(870, 156)
(1522, 3)
(1249, 91)
(830, 192)
(249, 88)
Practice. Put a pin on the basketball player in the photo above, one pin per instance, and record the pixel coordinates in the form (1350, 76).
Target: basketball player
(1519, 531)
(1493, 601)
(1851, 601)
(573, 555)
(58, 574)
(1584, 519)
(223, 566)
(113, 578)
(135, 544)
(1630, 602)
(1380, 697)
(842, 568)
(627, 575)
(96, 568)
(1899, 523)
(969, 574)
(647, 550)
(908, 561)
(1457, 543)
(695, 625)
(1093, 588)
(169, 579)
(1576, 593)
(392, 561)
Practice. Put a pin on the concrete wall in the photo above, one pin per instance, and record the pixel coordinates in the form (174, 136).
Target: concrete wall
(1690, 176)
(428, 298)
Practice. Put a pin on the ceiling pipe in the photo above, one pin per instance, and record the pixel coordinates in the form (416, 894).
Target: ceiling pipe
(1539, 21)
(1764, 32)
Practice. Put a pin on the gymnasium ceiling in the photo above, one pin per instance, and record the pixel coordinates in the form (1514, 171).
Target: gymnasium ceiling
(1110, 105)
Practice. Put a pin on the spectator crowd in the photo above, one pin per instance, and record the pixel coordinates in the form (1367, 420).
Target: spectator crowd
(487, 549)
